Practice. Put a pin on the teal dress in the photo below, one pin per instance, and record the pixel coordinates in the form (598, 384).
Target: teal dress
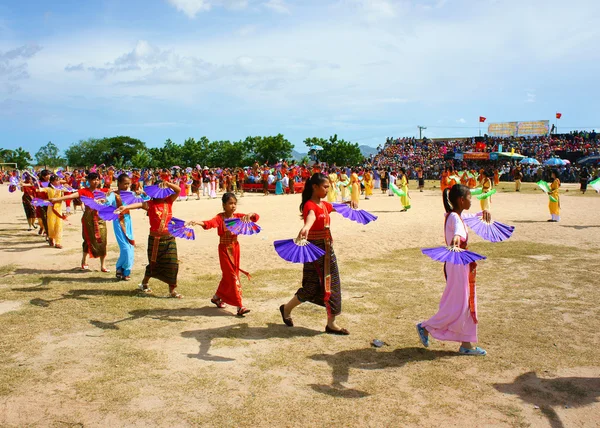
(279, 184)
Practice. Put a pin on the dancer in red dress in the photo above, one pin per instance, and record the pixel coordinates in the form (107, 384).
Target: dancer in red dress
(230, 288)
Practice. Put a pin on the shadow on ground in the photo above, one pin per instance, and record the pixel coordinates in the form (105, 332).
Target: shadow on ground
(551, 393)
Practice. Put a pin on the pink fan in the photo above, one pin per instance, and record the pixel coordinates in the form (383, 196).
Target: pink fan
(453, 255)
(237, 226)
(298, 251)
(359, 216)
(493, 232)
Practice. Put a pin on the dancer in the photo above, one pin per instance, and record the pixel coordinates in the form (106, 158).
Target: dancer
(162, 248)
(368, 179)
(93, 228)
(230, 288)
(456, 319)
(405, 200)
(320, 279)
(28, 190)
(213, 185)
(355, 187)
(123, 229)
(421, 179)
(553, 206)
(55, 216)
(278, 183)
(343, 183)
(518, 176)
(486, 185)
(584, 177)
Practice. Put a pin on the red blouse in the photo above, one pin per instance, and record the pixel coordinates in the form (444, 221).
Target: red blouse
(218, 222)
(160, 214)
(322, 214)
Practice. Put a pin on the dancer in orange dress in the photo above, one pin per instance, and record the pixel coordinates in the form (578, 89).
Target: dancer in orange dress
(230, 288)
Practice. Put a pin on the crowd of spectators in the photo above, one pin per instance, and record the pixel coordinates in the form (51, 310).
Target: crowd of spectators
(436, 155)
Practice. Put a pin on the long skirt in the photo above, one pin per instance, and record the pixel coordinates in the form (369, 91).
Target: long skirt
(28, 206)
(162, 259)
(124, 235)
(582, 184)
(230, 288)
(554, 207)
(405, 200)
(55, 223)
(322, 286)
(456, 318)
(93, 232)
(43, 215)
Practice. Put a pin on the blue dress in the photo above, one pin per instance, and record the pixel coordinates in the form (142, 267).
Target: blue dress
(124, 233)
(279, 184)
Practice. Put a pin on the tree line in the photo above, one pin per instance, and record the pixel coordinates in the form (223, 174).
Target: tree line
(128, 152)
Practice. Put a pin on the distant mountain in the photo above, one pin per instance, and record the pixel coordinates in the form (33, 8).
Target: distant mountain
(365, 150)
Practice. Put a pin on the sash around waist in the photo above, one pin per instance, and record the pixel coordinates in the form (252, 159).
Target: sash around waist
(315, 235)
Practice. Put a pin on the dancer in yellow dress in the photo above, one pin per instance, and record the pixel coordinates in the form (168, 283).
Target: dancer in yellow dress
(486, 185)
(554, 206)
(368, 179)
(405, 200)
(332, 193)
(355, 183)
(344, 181)
(55, 216)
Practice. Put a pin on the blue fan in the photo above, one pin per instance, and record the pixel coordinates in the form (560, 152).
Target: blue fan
(359, 216)
(298, 251)
(453, 255)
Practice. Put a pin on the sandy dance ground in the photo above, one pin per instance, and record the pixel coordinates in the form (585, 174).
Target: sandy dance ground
(81, 349)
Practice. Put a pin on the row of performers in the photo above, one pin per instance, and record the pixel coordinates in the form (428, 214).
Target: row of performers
(456, 319)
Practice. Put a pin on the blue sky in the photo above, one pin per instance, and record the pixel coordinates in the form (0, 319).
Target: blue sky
(364, 69)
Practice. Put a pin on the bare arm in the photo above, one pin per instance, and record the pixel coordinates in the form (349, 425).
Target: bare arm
(175, 188)
(310, 220)
(65, 198)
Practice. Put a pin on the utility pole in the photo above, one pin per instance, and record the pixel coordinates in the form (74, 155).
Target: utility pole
(421, 128)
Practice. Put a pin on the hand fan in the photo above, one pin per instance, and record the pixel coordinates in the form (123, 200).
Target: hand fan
(44, 183)
(157, 192)
(89, 202)
(493, 232)
(37, 202)
(99, 194)
(129, 198)
(12, 188)
(595, 184)
(359, 216)
(237, 226)
(456, 178)
(178, 229)
(107, 213)
(476, 191)
(454, 255)
(486, 195)
(298, 251)
(546, 189)
(396, 190)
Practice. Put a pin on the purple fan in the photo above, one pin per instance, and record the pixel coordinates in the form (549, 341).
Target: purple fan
(60, 174)
(14, 181)
(493, 232)
(453, 255)
(359, 216)
(158, 192)
(298, 251)
(12, 188)
(44, 183)
(65, 188)
(237, 226)
(37, 202)
(89, 202)
(129, 198)
(99, 194)
(107, 213)
(178, 229)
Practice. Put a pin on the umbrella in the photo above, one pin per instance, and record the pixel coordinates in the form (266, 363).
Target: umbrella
(530, 161)
(554, 162)
(589, 160)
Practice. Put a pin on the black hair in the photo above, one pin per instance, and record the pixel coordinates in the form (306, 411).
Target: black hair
(44, 173)
(92, 176)
(555, 172)
(122, 177)
(53, 177)
(227, 196)
(316, 179)
(451, 196)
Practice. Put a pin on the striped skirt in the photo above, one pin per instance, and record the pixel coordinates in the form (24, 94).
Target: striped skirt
(28, 206)
(321, 284)
(93, 232)
(162, 259)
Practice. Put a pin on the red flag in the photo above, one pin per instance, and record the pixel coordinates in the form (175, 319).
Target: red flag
(481, 119)
(558, 115)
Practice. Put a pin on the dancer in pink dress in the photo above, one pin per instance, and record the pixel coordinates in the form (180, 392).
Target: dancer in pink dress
(456, 319)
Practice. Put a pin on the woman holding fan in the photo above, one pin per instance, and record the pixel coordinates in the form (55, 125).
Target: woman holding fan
(554, 204)
(456, 319)
(230, 288)
(320, 279)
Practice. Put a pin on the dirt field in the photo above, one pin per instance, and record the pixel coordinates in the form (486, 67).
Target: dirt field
(81, 349)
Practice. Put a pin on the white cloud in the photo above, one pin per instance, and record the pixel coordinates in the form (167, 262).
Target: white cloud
(278, 6)
(193, 7)
(461, 120)
(14, 66)
(530, 96)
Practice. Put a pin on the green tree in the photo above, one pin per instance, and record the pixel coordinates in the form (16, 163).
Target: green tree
(4, 154)
(108, 151)
(142, 159)
(21, 157)
(340, 152)
(49, 156)
(268, 149)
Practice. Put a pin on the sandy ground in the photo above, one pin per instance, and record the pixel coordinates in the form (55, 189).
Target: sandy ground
(421, 226)
(109, 364)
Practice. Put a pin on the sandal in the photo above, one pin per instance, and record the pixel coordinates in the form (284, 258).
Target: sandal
(144, 288)
(287, 321)
(126, 278)
(119, 274)
(424, 338)
(58, 246)
(218, 302)
(477, 351)
(242, 311)
(105, 270)
(175, 295)
(340, 332)
(85, 267)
